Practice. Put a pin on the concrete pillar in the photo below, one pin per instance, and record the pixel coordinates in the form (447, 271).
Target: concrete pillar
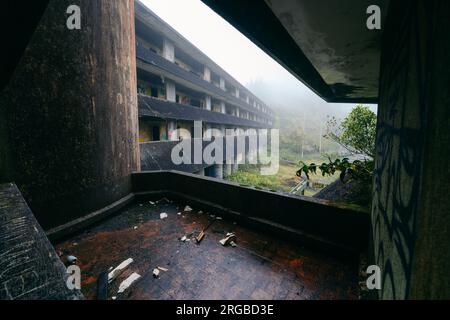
(71, 112)
(207, 134)
(207, 74)
(171, 91)
(208, 103)
(222, 84)
(237, 112)
(410, 215)
(218, 171)
(168, 50)
(172, 133)
(222, 107)
(228, 169)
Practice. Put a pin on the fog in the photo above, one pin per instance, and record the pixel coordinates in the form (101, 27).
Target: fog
(243, 59)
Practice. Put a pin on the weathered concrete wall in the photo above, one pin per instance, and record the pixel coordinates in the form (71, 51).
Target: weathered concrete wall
(411, 219)
(319, 223)
(30, 267)
(71, 111)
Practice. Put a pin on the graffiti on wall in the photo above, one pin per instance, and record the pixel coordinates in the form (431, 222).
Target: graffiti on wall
(399, 153)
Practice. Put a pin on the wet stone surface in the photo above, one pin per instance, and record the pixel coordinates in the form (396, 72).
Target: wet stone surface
(260, 267)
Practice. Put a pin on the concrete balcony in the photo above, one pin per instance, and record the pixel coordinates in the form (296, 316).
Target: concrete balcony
(156, 63)
(288, 247)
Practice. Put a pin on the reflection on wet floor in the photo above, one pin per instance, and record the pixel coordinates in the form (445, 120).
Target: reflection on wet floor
(259, 266)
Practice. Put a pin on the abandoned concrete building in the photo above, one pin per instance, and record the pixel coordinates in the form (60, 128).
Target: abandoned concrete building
(73, 129)
(177, 85)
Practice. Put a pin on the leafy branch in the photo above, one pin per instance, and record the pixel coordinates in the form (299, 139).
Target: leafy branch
(358, 169)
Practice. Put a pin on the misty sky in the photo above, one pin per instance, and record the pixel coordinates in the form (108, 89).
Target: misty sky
(238, 55)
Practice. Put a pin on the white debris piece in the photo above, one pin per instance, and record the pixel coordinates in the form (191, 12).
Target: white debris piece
(155, 273)
(219, 218)
(163, 215)
(119, 269)
(128, 282)
(183, 239)
(187, 209)
(162, 269)
(114, 298)
(200, 212)
(231, 237)
(135, 227)
(179, 213)
(152, 203)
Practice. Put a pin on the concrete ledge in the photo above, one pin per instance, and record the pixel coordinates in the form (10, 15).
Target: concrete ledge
(314, 222)
(30, 268)
(76, 225)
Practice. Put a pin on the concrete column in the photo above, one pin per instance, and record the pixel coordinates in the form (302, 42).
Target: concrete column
(410, 208)
(71, 112)
(222, 84)
(218, 171)
(171, 92)
(207, 74)
(228, 169)
(207, 133)
(172, 133)
(208, 103)
(222, 107)
(237, 112)
(168, 50)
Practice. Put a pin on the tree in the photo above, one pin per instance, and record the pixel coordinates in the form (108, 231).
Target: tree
(356, 132)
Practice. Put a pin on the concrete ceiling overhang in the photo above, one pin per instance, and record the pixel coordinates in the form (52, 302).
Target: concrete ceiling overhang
(324, 43)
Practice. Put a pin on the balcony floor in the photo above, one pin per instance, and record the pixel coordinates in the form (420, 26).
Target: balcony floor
(260, 267)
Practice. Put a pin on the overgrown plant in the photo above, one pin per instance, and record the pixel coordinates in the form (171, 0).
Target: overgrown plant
(358, 169)
(356, 133)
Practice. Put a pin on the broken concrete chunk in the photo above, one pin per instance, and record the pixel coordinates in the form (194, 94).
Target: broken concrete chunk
(163, 215)
(128, 282)
(187, 209)
(156, 273)
(200, 212)
(119, 269)
(162, 269)
(231, 237)
(183, 239)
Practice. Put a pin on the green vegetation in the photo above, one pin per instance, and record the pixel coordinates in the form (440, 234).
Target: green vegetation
(283, 181)
(347, 136)
(357, 135)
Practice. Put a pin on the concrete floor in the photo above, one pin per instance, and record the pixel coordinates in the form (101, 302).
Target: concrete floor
(260, 267)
